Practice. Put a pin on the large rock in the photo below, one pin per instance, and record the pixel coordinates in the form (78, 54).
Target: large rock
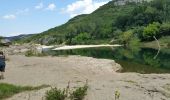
(5, 42)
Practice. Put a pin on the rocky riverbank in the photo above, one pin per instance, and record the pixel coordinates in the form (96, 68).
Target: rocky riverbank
(101, 74)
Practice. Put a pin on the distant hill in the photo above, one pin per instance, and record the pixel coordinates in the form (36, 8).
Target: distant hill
(18, 37)
(106, 23)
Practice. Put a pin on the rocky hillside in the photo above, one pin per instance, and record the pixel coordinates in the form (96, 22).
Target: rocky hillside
(18, 37)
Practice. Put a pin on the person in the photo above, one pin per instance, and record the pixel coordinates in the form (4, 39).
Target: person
(2, 65)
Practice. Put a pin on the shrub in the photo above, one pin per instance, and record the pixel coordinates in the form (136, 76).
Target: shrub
(79, 93)
(67, 94)
(30, 53)
(56, 94)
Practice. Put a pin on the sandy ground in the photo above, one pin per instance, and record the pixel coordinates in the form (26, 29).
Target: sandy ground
(103, 80)
(84, 46)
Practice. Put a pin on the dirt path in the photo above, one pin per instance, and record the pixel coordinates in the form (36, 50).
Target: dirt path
(103, 80)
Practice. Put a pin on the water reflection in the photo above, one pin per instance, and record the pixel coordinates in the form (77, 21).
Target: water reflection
(140, 60)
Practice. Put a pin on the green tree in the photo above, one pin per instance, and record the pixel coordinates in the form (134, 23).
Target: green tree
(152, 14)
(81, 38)
(138, 31)
(122, 21)
(126, 36)
(151, 30)
(116, 33)
(165, 29)
(159, 4)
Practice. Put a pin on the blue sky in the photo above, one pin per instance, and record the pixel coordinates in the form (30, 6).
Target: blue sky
(35, 16)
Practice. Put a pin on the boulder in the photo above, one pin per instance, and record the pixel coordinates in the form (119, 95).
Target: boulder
(5, 42)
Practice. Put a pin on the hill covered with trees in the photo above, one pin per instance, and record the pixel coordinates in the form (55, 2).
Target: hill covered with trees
(129, 23)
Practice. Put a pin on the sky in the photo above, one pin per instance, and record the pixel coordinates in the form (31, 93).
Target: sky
(35, 16)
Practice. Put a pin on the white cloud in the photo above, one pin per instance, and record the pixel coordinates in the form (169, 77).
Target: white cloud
(39, 6)
(18, 12)
(51, 7)
(11, 16)
(83, 7)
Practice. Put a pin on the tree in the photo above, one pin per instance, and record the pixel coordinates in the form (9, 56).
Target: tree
(138, 32)
(125, 37)
(165, 29)
(159, 4)
(122, 21)
(116, 33)
(151, 30)
(81, 38)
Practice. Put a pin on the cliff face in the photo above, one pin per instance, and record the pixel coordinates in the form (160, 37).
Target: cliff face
(123, 2)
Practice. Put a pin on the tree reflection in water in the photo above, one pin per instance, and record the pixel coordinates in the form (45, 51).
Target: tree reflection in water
(139, 60)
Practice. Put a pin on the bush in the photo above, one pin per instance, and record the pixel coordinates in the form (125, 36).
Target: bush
(66, 94)
(30, 53)
(56, 94)
(79, 93)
